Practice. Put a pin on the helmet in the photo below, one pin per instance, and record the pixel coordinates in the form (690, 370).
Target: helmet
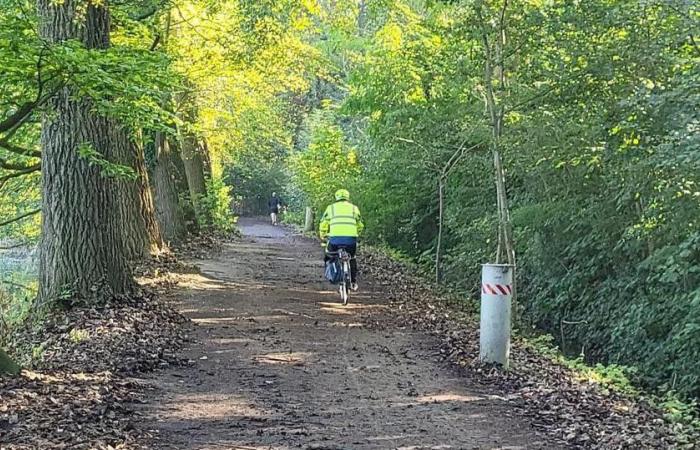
(342, 194)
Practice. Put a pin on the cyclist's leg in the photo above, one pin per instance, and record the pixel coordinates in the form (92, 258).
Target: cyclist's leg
(352, 250)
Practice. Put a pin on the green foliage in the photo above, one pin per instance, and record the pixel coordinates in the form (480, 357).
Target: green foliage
(327, 164)
(217, 202)
(618, 378)
(77, 336)
(18, 287)
(679, 410)
(107, 168)
(601, 151)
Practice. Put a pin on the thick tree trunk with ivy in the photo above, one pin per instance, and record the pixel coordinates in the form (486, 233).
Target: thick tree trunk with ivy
(168, 211)
(81, 244)
(7, 365)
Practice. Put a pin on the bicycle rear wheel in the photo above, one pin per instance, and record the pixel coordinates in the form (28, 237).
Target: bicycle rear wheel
(346, 282)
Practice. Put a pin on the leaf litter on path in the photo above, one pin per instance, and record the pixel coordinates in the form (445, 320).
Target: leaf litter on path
(580, 414)
(80, 390)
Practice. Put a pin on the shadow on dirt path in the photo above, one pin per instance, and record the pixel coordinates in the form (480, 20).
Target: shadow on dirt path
(280, 364)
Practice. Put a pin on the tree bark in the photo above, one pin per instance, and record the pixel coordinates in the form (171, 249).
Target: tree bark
(193, 159)
(168, 212)
(193, 163)
(140, 230)
(147, 205)
(81, 245)
(183, 189)
(438, 246)
(494, 68)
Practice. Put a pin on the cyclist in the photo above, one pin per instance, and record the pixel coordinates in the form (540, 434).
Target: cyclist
(341, 223)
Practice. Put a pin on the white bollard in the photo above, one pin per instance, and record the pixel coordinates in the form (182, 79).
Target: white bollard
(496, 296)
(309, 219)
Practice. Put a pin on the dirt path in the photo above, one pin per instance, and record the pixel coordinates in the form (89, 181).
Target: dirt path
(279, 364)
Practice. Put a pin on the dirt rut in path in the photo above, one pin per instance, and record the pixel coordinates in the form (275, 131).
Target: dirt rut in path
(280, 364)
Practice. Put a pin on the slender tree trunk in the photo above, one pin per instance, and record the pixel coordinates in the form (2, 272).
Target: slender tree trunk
(168, 211)
(81, 244)
(361, 17)
(438, 249)
(494, 67)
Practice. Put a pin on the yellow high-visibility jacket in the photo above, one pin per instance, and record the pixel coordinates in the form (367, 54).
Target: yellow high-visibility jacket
(341, 218)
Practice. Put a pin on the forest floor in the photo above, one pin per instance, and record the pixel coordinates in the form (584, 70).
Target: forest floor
(280, 364)
(245, 346)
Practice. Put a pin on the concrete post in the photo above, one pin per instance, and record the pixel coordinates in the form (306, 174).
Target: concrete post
(309, 222)
(496, 296)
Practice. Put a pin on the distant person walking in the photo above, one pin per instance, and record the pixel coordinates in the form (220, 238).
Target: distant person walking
(274, 205)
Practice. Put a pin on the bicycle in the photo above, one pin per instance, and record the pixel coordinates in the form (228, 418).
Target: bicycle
(344, 286)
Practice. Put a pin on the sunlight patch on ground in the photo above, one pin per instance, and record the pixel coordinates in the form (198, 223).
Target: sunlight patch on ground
(45, 378)
(448, 397)
(294, 358)
(226, 341)
(392, 438)
(234, 446)
(346, 325)
(199, 282)
(220, 320)
(210, 406)
(337, 308)
(434, 447)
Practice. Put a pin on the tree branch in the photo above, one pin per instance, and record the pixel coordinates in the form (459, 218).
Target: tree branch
(4, 164)
(4, 143)
(19, 115)
(4, 179)
(695, 44)
(20, 217)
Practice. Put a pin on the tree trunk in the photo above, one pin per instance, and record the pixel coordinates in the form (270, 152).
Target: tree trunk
(146, 204)
(194, 172)
(183, 189)
(438, 246)
(81, 244)
(193, 160)
(494, 68)
(168, 211)
(206, 157)
(139, 227)
(7, 365)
